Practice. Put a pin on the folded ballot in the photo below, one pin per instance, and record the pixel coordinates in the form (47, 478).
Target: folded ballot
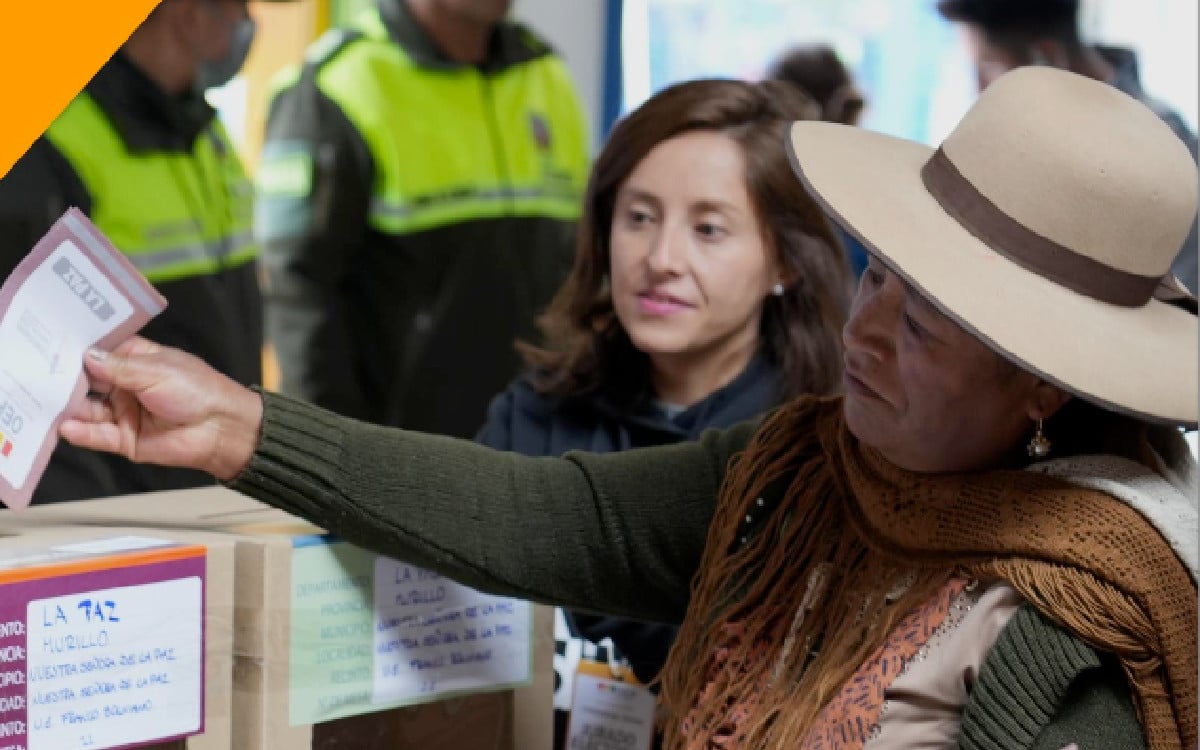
(74, 290)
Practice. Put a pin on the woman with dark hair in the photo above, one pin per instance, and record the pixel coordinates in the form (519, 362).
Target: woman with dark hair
(707, 288)
(990, 541)
(686, 186)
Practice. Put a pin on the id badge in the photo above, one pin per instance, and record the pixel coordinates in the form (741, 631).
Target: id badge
(610, 710)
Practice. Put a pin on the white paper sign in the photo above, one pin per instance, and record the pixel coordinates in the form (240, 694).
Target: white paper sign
(436, 637)
(115, 667)
(64, 306)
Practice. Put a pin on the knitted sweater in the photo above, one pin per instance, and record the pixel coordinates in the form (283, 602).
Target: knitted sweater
(622, 534)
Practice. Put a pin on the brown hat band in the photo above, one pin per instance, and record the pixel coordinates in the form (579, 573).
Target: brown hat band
(1028, 249)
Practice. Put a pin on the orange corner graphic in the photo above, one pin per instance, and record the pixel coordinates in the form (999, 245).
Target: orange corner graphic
(49, 51)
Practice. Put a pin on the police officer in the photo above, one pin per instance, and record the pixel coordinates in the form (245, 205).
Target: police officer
(141, 152)
(419, 185)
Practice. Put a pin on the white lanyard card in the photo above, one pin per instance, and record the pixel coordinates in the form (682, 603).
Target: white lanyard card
(609, 713)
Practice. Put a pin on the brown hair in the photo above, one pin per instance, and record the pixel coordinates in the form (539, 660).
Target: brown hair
(818, 71)
(585, 347)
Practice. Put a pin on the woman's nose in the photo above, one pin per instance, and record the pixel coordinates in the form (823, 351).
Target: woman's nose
(871, 326)
(667, 252)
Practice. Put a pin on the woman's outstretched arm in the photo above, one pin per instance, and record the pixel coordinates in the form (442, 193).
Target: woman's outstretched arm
(620, 533)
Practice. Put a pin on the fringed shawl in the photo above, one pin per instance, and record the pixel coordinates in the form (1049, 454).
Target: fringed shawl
(780, 622)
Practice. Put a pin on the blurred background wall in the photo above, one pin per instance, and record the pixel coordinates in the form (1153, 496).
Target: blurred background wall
(911, 64)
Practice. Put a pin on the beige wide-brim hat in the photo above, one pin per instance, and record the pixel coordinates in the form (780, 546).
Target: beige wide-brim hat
(1044, 225)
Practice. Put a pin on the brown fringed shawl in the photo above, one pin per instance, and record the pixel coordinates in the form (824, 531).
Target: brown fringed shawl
(782, 622)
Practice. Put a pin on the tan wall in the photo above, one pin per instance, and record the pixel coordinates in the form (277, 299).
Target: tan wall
(284, 31)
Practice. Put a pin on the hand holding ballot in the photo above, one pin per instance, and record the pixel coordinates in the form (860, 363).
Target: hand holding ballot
(74, 290)
(71, 366)
(164, 406)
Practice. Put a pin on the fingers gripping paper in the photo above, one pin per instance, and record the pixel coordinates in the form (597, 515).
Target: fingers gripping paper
(73, 291)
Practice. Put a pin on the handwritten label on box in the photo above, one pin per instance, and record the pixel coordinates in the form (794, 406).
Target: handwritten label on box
(434, 636)
(103, 652)
(369, 632)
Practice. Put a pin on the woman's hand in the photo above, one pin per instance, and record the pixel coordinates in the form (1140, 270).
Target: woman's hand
(163, 406)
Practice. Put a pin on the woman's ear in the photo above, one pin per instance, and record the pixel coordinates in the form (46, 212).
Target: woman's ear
(1045, 400)
(778, 269)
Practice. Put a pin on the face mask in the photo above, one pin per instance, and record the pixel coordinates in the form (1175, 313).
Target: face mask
(214, 73)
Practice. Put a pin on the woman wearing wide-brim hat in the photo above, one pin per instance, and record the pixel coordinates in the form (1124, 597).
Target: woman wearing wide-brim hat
(988, 542)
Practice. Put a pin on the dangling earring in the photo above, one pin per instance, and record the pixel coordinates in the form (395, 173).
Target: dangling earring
(1039, 446)
(777, 290)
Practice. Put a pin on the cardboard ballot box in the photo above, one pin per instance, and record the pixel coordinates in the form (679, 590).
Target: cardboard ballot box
(336, 647)
(114, 638)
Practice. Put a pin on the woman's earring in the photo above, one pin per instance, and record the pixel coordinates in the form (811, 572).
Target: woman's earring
(1039, 446)
(777, 290)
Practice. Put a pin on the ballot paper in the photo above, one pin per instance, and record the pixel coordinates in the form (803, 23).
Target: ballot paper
(74, 290)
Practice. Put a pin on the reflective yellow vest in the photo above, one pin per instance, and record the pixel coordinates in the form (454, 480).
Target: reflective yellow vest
(517, 139)
(175, 215)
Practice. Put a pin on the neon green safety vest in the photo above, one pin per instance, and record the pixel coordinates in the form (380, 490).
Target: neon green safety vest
(517, 138)
(174, 215)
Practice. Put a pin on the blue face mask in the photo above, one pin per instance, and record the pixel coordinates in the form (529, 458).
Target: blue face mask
(215, 73)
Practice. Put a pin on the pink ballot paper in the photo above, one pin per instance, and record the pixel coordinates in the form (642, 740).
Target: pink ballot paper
(73, 291)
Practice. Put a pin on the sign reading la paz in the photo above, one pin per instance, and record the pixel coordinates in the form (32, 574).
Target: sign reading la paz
(103, 650)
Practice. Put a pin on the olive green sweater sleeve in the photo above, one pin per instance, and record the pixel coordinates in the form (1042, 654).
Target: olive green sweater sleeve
(1041, 688)
(620, 533)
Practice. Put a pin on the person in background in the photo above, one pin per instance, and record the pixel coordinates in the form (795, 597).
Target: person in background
(419, 186)
(1005, 34)
(142, 153)
(818, 71)
(707, 289)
